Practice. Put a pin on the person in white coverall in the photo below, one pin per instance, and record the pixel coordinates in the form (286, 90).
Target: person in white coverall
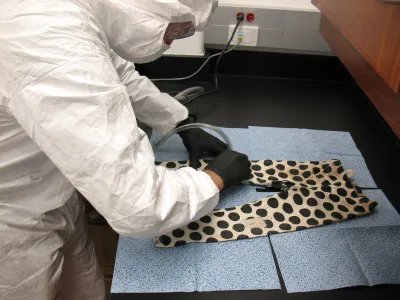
(69, 100)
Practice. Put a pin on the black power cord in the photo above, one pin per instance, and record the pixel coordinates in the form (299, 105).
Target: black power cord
(189, 95)
(240, 18)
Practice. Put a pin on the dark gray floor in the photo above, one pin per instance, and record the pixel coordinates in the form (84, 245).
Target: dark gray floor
(245, 101)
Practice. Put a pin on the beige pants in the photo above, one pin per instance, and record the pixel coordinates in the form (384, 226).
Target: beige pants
(60, 264)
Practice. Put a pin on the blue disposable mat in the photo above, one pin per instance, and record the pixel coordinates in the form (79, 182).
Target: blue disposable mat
(315, 259)
(378, 251)
(141, 268)
(306, 145)
(239, 265)
(383, 215)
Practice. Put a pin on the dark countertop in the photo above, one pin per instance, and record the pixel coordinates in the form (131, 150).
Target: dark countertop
(253, 101)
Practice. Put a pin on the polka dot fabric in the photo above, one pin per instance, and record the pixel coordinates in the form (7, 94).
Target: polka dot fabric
(313, 194)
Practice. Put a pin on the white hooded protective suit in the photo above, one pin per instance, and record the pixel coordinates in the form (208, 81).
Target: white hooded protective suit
(68, 109)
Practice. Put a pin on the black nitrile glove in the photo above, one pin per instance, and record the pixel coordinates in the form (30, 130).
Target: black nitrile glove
(198, 143)
(231, 166)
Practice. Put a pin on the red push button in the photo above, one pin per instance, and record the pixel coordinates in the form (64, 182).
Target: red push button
(250, 17)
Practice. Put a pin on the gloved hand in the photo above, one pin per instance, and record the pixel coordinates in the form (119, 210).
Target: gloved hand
(198, 143)
(231, 166)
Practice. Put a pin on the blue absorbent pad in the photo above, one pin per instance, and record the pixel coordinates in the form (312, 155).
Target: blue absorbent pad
(239, 265)
(321, 259)
(284, 144)
(378, 251)
(315, 259)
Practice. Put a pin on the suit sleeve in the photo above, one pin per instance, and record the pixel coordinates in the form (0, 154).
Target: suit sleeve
(155, 109)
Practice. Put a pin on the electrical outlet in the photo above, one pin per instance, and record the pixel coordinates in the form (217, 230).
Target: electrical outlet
(249, 33)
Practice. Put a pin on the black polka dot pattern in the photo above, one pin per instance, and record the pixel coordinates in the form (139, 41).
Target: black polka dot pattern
(297, 178)
(269, 224)
(337, 215)
(261, 212)
(171, 165)
(206, 219)
(313, 194)
(256, 231)
(242, 237)
(283, 175)
(319, 214)
(178, 233)
(280, 167)
(226, 234)
(209, 230)
(234, 216)
(211, 240)
(298, 199)
(300, 228)
(285, 226)
(279, 217)
(342, 192)
(193, 226)
(219, 214)
(268, 163)
(326, 189)
(305, 212)
(316, 170)
(238, 227)
(359, 209)
(372, 206)
(270, 172)
(222, 224)
(312, 202)
(328, 206)
(165, 240)
(294, 220)
(180, 243)
(334, 198)
(305, 192)
(351, 216)
(283, 195)
(246, 208)
(196, 236)
(312, 222)
(287, 208)
(273, 202)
